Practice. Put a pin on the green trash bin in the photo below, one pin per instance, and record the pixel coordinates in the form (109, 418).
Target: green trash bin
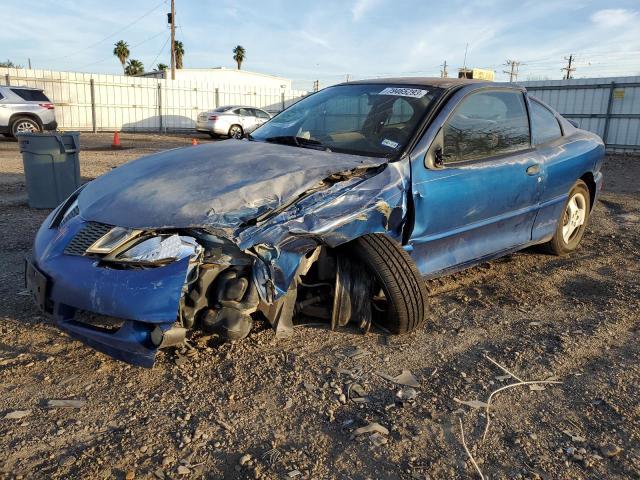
(51, 166)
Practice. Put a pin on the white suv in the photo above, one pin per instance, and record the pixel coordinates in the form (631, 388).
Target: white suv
(25, 109)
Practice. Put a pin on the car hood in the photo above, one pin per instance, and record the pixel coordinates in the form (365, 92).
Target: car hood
(220, 185)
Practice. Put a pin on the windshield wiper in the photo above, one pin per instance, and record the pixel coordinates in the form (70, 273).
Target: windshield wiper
(298, 142)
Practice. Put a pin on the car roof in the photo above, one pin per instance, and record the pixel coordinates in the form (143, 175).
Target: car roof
(22, 88)
(428, 82)
(239, 106)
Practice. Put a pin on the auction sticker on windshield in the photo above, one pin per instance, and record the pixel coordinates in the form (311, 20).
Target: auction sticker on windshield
(404, 92)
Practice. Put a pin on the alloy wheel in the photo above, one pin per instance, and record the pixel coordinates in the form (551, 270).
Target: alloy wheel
(574, 216)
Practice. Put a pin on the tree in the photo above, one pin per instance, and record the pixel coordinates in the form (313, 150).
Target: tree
(161, 67)
(9, 64)
(121, 51)
(179, 53)
(239, 55)
(134, 67)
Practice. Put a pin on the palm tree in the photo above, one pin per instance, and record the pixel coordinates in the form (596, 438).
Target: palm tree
(238, 55)
(179, 53)
(134, 67)
(161, 67)
(121, 51)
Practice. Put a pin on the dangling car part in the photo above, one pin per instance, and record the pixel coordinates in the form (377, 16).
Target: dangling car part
(337, 208)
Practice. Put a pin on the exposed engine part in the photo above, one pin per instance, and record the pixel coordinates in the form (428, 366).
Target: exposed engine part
(229, 323)
(196, 298)
(352, 296)
(170, 338)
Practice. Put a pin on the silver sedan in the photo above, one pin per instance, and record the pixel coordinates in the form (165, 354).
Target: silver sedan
(233, 121)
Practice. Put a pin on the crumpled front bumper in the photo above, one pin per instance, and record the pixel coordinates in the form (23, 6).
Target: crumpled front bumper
(145, 299)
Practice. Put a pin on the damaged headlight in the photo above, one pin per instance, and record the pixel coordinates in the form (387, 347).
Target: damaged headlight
(160, 249)
(115, 238)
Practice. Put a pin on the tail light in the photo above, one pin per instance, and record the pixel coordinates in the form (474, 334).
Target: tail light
(213, 117)
(48, 106)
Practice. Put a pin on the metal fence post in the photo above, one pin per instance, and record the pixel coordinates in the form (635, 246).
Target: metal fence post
(7, 80)
(92, 90)
(607, 118)
(160, 107)
(282, 99)
(217, 98)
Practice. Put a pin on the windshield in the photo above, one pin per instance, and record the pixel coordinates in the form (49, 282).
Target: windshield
(374, 120)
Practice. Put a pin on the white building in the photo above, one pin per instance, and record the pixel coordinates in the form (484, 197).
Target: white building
(221, 75)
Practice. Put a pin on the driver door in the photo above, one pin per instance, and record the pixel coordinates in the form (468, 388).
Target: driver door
(483, 199)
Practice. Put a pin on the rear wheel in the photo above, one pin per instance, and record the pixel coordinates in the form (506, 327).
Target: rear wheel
(572, 222)
(235, 131)
(403, 306)
(24, 125)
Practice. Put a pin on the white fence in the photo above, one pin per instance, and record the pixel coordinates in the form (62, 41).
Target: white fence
(96, 102)
(609, 107)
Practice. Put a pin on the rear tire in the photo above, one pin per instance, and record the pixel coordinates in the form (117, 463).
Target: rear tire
(24, 125)
(235, 131)
(399, 279)
(572, 222)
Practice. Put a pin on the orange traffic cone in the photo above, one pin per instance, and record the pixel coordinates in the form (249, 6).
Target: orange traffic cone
(116, 140)
(194, 141)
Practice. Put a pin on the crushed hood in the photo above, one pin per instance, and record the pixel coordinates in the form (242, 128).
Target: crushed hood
(221, 184)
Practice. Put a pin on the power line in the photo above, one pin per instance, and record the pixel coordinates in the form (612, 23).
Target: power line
(132, 46)
(114, 33)
(160, 52)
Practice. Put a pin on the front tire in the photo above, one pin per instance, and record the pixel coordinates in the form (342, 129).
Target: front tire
(572, 222)
(398, 278)
(24, 125)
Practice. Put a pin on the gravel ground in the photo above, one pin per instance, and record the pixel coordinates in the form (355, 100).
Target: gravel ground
(291, 409)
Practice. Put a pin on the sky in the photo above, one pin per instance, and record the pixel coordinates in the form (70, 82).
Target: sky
(329, 40)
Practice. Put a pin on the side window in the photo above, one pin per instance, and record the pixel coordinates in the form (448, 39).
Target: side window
(1, 96)
(401, 112)
(30, 95)
(261, 114)
(544, 124)
(245, 112)
(486, 124)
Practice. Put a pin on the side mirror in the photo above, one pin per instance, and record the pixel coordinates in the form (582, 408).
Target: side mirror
(434, 160)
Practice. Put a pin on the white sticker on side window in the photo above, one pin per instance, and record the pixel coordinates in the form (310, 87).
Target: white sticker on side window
(404, 92)
(390, 143)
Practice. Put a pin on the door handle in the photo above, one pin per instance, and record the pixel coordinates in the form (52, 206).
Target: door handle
(533, 169)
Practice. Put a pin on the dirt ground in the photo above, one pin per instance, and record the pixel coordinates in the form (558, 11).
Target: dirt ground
(267, 409)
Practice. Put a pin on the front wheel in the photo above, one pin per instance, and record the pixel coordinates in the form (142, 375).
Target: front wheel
(572, 222)
(24, 125)
(403, 307)
(235, 132)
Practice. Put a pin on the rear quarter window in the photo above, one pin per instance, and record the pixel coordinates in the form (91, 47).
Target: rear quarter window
(30, 95)
(544, 124)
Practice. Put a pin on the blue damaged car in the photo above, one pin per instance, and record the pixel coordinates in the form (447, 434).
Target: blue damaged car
(337, 208)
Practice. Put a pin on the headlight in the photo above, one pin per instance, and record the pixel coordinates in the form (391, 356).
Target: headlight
(115, 238)
(160, 249)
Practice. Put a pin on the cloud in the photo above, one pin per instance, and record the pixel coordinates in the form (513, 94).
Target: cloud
(613, 17)
(310, 37)
(361, 7)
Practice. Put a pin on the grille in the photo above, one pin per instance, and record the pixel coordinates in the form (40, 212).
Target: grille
(70, 215)
(91, 232)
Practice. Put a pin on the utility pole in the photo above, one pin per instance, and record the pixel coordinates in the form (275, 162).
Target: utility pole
(348, 77)
(316, 85)
(443, 72)
(29, 64)
(513, 72)
(173, 40)
(568, 68)
(464, 64)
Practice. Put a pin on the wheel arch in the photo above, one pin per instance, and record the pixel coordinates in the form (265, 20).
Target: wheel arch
(589, 179)
(29, 115)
